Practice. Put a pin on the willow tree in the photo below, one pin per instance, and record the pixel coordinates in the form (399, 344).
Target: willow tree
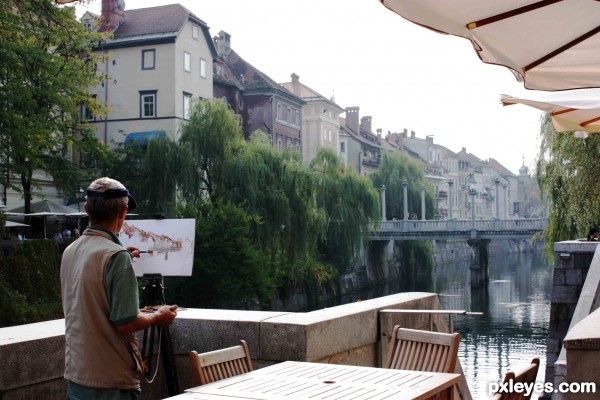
(394, 170)
(351, 204)
(567, 171)
(151, 172)
(46, 68)
(278, 188)
(210, 138)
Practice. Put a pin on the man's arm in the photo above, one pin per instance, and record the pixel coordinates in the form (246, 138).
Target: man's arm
(164, 316)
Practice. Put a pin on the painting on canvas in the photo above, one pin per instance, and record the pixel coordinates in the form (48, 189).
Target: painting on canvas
(167, 245)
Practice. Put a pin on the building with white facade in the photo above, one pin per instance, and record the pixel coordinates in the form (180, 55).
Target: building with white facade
(158, 61)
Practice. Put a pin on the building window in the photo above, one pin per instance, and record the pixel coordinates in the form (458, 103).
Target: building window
(278, 110)
(342, 147)
(187, 105)
(148, 59)
(298, 146)
(289, 115)
(297, 117)
(86, 113)
(195, 32)
(187, 62)
(279, 142)
(89, 26)
(148, 104)
(202, 68)
(289, 143)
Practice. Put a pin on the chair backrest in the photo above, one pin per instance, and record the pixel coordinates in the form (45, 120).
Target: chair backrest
(220, 364)
(423, 350)
(526, 375)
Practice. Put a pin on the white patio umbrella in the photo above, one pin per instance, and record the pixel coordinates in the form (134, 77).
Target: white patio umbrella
(548, 45)
(12, 224)
(44, 215)
(570, 111)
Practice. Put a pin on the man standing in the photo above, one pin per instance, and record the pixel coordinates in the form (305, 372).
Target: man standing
(100, 301)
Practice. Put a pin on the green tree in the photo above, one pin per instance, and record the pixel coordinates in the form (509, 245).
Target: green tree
(46, 67)
(567, 170)
(208, 141)
(292, 221)
(280, 189)
(351, 204)
(228, 268)
(393, 171)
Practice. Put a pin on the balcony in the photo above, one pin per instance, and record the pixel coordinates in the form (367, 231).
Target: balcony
(33, 355)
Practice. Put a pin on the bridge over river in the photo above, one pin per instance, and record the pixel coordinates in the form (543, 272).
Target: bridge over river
(453, 229)
(477, 233)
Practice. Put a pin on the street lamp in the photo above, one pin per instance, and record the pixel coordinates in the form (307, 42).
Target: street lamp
(450, 205)
(422, 202)
(405, 195)
(383, 216)
(497, 182)
(79, 196)
(472, 192)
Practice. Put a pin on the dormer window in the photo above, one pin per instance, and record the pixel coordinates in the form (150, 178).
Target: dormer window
(195, 32)
(88, 25)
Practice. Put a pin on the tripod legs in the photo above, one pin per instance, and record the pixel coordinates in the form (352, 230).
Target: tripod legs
(153, 295)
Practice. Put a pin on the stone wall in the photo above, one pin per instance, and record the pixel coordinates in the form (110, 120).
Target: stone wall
(572, 260)
(582, 345)
(383, 263)
(32, 356)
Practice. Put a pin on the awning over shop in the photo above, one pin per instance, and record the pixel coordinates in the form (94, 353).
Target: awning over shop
(142, 138)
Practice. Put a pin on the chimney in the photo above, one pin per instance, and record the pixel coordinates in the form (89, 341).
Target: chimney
(223, 43)
(365, 123)
(429, 139)
(296, 84)
(405, 132)
(379, 136)
(412, 134)
(113, 14)
(352, 118)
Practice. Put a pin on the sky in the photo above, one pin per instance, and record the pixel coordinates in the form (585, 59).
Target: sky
(402, 75)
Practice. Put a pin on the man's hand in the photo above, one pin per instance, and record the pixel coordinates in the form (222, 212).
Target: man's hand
(165, 315)
(162, 316)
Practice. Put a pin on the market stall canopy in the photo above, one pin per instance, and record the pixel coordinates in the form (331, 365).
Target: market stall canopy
(44, 209)
(578, 112)
(11, 224)
(44, 206)
(549, 45)
(141, 138)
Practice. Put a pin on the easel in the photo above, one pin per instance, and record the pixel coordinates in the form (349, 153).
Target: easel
(153, 295)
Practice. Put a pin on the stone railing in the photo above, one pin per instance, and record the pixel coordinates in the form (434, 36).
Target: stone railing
(582, 345)
(575, 294)
(32, 356)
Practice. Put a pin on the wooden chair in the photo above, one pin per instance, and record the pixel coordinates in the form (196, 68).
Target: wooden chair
(423, 350)
(220, 364)
(526, 375)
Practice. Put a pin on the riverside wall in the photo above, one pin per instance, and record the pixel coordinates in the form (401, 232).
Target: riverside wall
(32, 356)
(383, 263)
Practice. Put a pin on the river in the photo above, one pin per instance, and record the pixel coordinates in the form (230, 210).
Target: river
(516, 307)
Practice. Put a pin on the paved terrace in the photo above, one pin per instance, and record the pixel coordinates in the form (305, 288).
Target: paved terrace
(32, 356)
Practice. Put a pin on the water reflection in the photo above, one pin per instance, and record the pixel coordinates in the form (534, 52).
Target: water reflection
(514, 327)
(516, 307)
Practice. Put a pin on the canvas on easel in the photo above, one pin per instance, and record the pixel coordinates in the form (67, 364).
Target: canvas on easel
(166, 245)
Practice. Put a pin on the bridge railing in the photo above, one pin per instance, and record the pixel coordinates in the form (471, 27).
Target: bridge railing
(523, 224)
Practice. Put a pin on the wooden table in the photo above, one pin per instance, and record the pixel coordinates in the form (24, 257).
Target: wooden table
(304, 380)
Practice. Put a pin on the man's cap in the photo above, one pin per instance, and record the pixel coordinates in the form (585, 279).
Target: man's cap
(114, 194)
